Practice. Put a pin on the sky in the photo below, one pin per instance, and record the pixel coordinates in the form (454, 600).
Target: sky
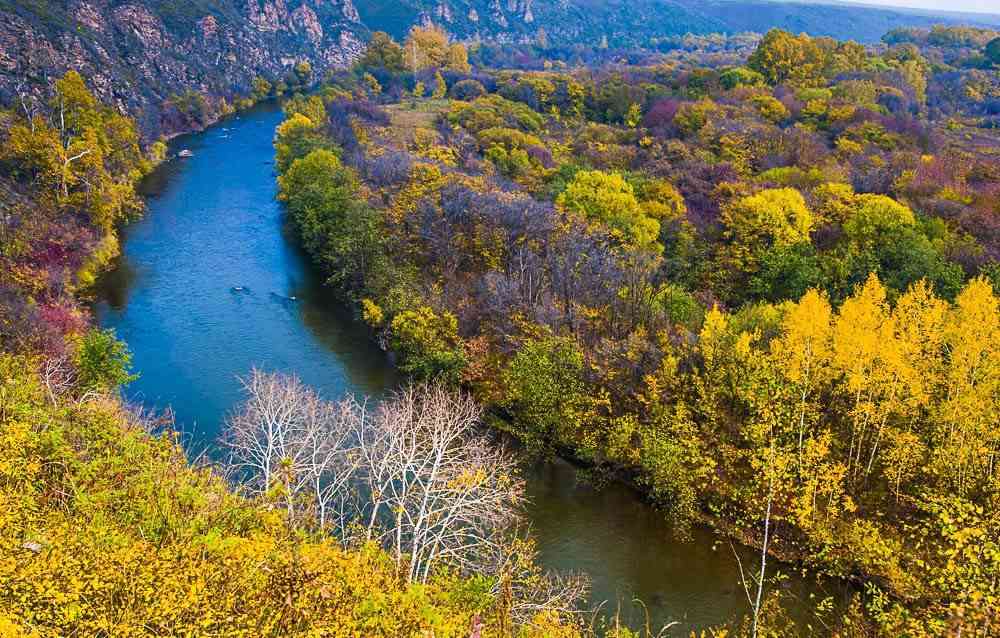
(981, 6)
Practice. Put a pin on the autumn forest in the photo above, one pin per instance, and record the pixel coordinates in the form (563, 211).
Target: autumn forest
(754, 278)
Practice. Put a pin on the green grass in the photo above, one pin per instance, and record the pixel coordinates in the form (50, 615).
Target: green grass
(407, 117)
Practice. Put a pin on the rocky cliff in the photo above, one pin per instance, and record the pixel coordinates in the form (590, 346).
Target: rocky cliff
(136, 55)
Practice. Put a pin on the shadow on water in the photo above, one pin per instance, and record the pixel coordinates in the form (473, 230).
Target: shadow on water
(210, 284)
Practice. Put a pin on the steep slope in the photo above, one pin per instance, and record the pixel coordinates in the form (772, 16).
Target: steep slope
(106, 530)
(137, 54)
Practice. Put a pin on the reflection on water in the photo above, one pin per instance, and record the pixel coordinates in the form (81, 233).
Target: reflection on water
(209, 285)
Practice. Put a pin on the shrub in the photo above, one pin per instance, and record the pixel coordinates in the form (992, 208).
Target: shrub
(467, 90)
(103, 362)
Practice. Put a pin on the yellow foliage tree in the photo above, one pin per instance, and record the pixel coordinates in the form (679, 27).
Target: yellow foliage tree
(426, 48)
(440, 88)
(804, 350)
(783, 57)
(458, 58)
(966, 438)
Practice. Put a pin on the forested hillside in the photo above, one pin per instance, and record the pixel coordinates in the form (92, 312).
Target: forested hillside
(175, 66)
(762, 288)
(633, 23)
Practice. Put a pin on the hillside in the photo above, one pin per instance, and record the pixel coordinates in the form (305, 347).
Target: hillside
(139, 54)
(634, 22)
(107, 531)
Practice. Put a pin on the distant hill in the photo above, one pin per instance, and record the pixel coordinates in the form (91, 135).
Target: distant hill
(636, 22)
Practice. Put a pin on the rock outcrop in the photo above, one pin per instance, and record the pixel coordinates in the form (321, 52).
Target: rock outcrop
(136, 57)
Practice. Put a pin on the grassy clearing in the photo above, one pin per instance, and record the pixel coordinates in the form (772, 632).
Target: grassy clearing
(410, 116)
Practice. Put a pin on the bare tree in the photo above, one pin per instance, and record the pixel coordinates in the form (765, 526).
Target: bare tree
(417, 475)
(440, 489)
(284, 435)
(58, 375)
(756, 601)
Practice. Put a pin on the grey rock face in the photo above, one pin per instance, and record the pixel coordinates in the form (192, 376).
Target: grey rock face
(132, 58)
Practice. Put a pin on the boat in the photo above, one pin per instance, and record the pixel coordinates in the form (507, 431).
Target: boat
(185, 153)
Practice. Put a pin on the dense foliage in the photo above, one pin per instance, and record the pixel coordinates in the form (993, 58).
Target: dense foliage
(766, 289)
(68, 170)
(106, 530)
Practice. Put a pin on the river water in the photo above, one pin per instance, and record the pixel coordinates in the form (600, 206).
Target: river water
(213, 225)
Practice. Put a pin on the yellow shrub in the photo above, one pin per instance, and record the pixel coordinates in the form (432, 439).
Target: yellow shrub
(106, 531)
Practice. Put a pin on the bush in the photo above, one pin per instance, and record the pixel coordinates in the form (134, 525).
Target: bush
(467, 90)
(103, 362)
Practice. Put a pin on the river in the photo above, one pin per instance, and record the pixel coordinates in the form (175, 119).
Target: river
(212, 225)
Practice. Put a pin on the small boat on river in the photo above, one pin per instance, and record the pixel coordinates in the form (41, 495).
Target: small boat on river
(185, 153)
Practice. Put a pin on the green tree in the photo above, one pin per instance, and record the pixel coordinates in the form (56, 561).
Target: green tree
(786, 272)
(103, 362)
(546, 391)
(426, 48)
(318, 189)
(340, 230)
(312, 107)
(383, 52)
(261, 89)
(740, 76)
(772, 217)
(458, 58)
(440, 88)
(374, 88)
(770, 108)
(875, 215)
(83, 156)
(428, 343)
(74, 105)
(303, 72)
(691, 117)
(610, 199)
(297, 137)
(992, 51)
(634, 116)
